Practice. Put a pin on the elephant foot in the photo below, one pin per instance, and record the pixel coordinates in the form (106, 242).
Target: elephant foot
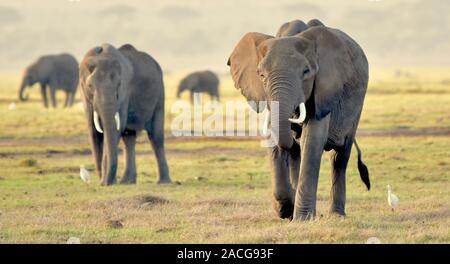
(126, 180)
(109, 182)
(284, 208)
(304, 216)
(165, 180)
(337, 212)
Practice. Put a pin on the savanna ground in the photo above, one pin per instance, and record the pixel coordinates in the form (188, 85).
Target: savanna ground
(222, 186)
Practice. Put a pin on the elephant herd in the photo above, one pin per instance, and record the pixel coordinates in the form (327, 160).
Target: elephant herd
(318, 75)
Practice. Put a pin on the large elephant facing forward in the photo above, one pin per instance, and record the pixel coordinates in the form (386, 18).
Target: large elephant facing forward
(52, 72)
(200, 82)
(319, 78)
(123, 93)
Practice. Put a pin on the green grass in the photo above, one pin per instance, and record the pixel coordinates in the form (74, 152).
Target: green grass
(224, 197)
(222, 189)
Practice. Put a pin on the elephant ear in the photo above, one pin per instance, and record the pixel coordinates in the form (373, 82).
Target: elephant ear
(243, 64)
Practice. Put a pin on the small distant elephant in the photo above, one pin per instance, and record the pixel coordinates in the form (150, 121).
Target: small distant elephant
(319, 79)
(123, 93)
(200, 82)
(296, 26)
(56, 72)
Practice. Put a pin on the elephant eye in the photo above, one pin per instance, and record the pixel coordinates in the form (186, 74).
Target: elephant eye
(306, 71)
(261, 75)
(117, 91)
(91, 68)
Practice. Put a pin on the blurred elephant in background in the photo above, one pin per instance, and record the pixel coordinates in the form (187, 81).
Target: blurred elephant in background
(200, 82)
(123, 93)
(52, 72)
(296, 26)
(319, 79)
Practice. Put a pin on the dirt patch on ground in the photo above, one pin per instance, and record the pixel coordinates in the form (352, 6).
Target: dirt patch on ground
(404, 132)
(400, 132)
(59, 170)
(223, 203)
(83, 149)
(198, 152)
(136, 202)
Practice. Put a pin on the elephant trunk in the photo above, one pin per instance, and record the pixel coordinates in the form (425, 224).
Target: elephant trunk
(180, 89)
(281, 111)
(288, 97)
(22, 96)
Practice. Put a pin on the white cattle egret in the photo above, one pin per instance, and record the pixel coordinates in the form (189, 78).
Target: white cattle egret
(392, 198)
(85, 175)
(12, 106)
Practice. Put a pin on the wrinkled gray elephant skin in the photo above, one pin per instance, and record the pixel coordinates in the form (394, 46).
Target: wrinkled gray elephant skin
(200, 82)
(123, 93)
(295, 27)
(319, 77)
(52, 72)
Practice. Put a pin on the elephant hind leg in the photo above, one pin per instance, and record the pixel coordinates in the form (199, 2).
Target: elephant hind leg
(155, 132)
(44, 95)
(67, 101)
(129, 140)
(339, 160)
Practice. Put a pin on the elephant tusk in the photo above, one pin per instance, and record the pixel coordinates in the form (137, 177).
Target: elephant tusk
(266, 123)
(302, 116)
(97, 123)
(117, 118)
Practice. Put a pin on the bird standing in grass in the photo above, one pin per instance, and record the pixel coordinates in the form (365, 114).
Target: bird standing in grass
(85, 175)
(392, 198)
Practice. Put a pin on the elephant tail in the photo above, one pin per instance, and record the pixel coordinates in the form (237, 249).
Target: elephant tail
(363, 171)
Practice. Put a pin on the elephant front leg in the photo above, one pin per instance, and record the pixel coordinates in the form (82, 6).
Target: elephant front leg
(129, 139)
(44, 95)
(313, 139)
(339, 160)
(282, 191)
(53, 95)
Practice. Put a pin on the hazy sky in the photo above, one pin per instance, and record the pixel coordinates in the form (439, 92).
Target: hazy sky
(200, 34)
